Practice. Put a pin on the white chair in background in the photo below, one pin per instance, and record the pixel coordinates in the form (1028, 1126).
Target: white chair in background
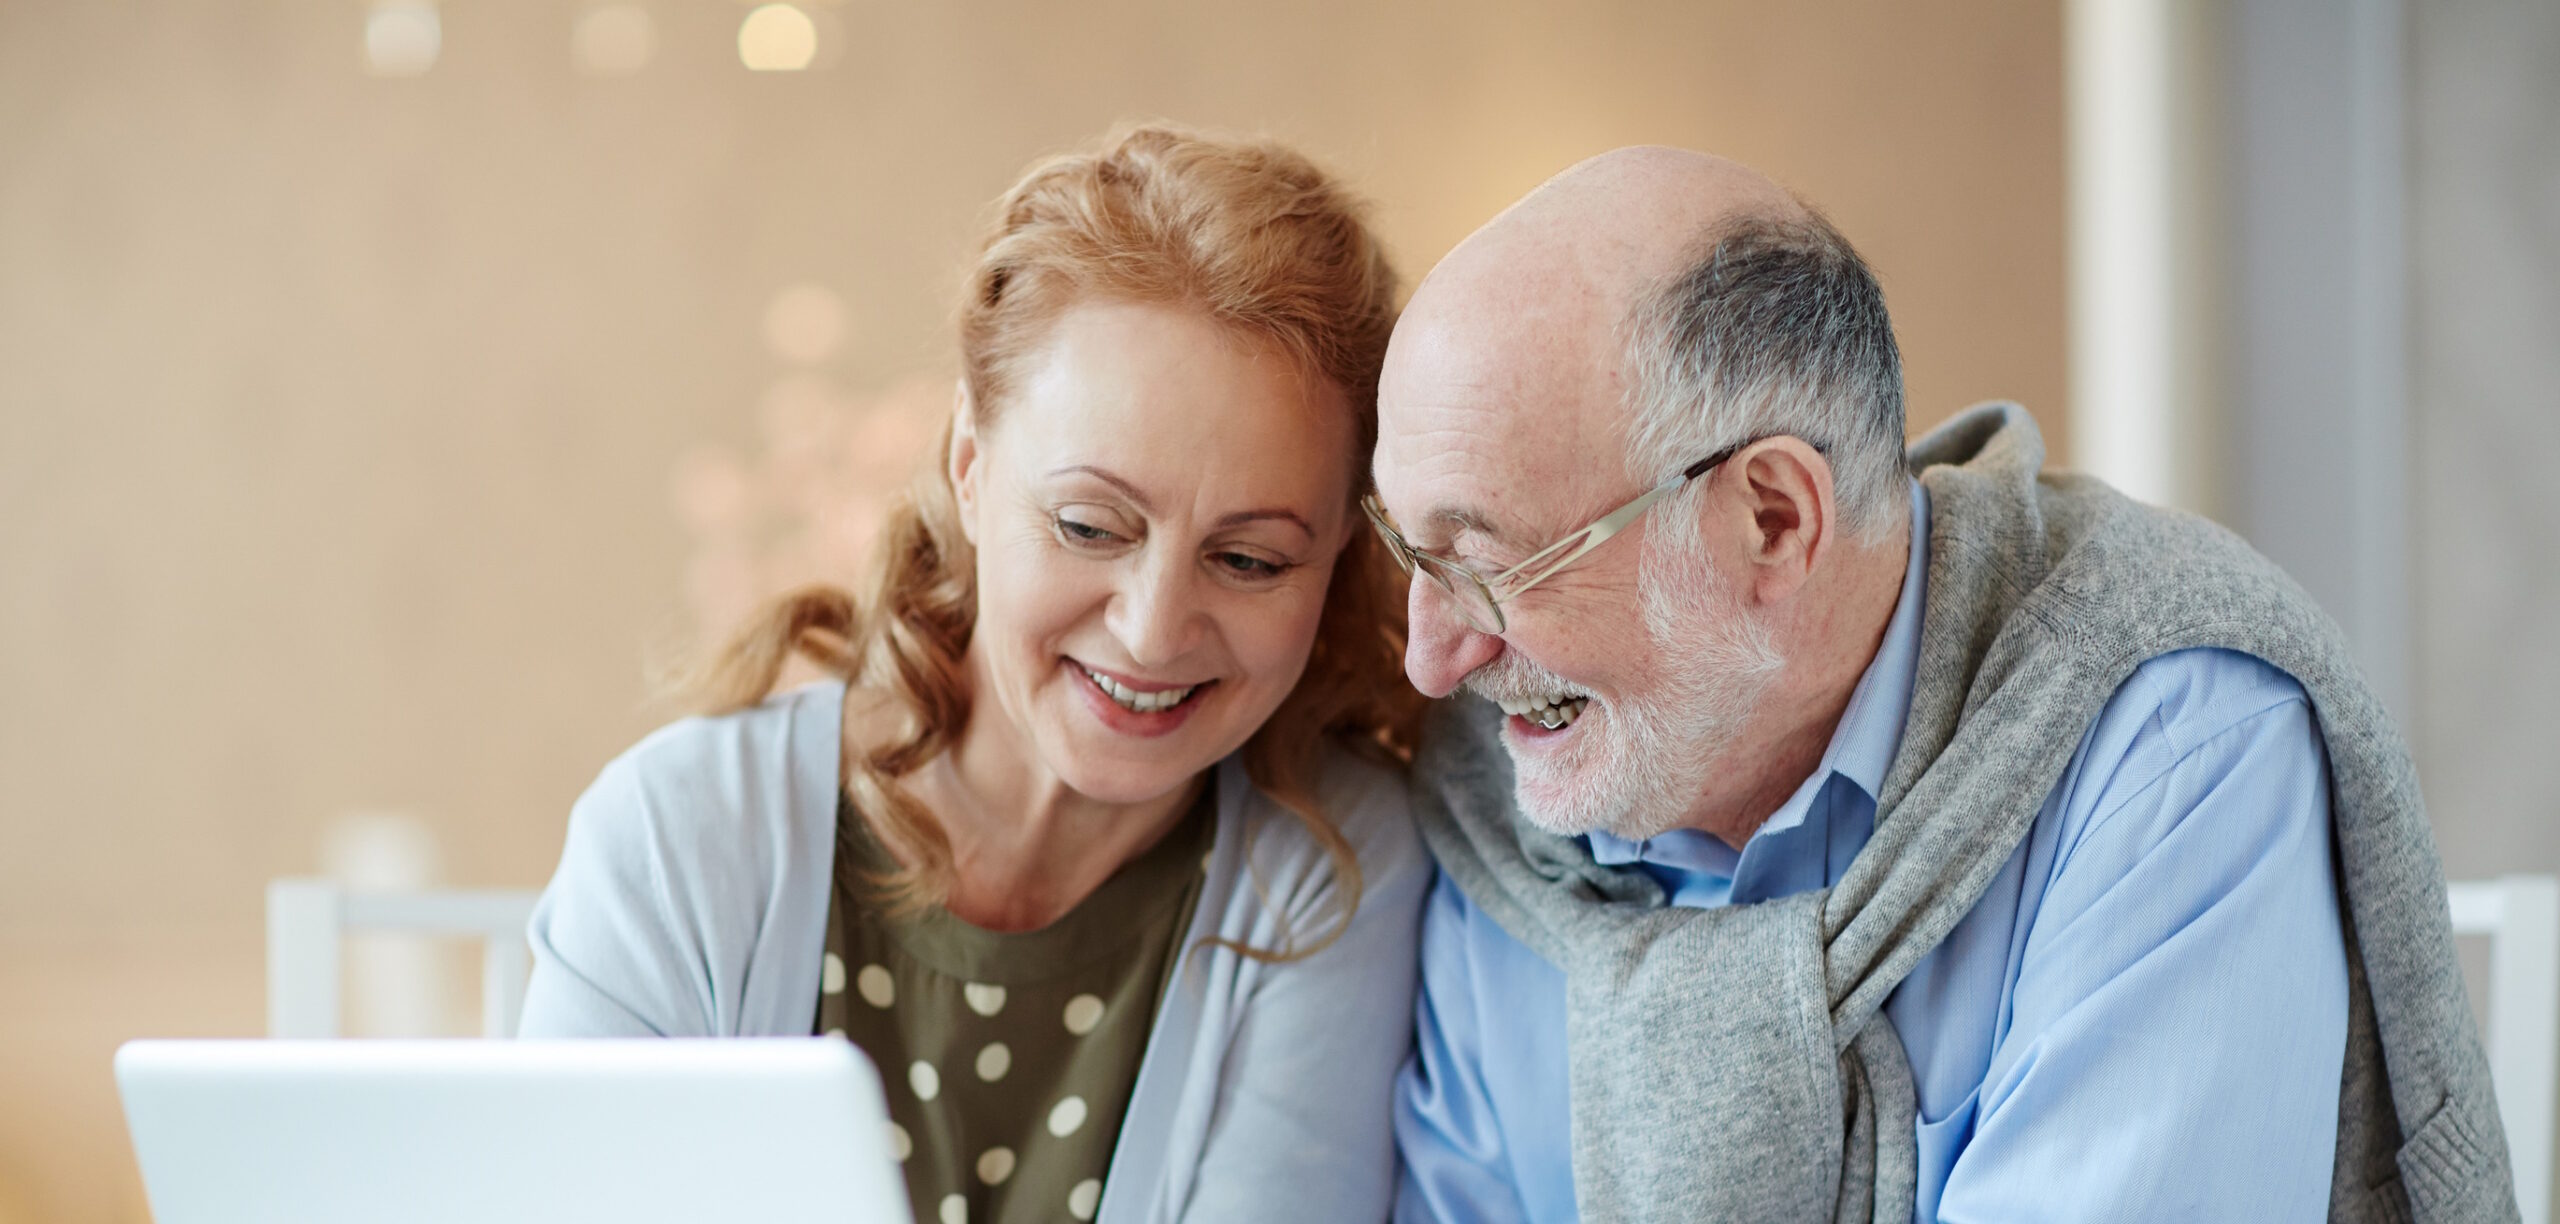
(307, 919)
(2521, 916)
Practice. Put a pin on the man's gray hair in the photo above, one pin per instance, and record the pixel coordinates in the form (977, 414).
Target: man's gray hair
(1778, 328)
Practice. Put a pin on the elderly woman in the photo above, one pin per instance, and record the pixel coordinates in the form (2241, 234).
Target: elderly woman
(1096, 844)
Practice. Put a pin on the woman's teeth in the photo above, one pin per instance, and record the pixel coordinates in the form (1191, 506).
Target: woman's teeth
(1553, 713)
(1132, 699)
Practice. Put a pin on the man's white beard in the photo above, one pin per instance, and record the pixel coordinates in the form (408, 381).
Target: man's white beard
(1637, 763)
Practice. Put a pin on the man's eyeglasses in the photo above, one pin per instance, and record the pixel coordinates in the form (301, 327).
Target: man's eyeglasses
(1478, 599)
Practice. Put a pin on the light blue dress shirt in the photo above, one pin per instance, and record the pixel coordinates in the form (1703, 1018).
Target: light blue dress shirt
(2142, 1019)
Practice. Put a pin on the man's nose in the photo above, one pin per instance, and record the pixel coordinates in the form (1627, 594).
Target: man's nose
(1155, 616)
(1440, 649)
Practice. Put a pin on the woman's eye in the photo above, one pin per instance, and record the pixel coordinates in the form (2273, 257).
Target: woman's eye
(1082, 533)
(1244, 566)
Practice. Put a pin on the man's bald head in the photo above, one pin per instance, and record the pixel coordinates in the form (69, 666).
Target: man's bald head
(1591, 239)
(1650, 299)
(1538, 298)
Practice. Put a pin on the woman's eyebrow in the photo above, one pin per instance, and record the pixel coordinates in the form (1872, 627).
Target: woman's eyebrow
(1126, 489)
(1281, 514)
(1138, 499)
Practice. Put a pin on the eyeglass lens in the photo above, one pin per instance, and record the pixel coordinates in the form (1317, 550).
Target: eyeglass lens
(1466, 593)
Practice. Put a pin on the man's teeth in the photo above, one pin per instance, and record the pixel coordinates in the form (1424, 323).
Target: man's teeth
(1549, 712)
(1132, 699)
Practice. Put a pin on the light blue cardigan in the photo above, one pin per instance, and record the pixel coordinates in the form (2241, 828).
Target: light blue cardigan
(692, 896)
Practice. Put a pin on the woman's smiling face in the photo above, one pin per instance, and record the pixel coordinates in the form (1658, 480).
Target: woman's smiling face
(1156, 506)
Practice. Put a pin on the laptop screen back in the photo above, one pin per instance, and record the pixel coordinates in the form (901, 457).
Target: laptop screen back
(501, 1132)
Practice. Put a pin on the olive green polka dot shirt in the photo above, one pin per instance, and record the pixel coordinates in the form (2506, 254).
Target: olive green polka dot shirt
(1008, 1058)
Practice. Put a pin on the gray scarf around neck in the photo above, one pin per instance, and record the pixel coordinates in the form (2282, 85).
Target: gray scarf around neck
(1736, 1064)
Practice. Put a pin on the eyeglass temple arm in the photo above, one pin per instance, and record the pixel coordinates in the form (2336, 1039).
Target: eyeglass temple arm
(1598, 533)
(1698, 469)
(1573, 546)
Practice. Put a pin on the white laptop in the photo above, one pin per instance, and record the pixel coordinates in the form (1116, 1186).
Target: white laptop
(510, 1132)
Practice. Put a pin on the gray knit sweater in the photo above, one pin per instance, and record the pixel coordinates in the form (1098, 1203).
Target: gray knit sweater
(1736, 1063)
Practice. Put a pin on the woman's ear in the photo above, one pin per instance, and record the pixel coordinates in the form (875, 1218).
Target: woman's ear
(962, 458)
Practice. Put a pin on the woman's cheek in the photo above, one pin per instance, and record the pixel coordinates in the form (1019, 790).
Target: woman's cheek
(1028, 592)
(1284, 632)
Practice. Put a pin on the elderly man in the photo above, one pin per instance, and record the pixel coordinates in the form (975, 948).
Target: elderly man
(1870, 836)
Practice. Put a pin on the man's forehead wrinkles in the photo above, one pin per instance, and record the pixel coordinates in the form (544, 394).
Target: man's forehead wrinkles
(1488, 425)
(1444, 457)
(1452, 438)
(1425, 441)
(1482, 478)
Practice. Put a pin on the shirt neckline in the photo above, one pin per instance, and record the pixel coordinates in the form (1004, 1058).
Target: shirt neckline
(1131, 903)
(1860, 752)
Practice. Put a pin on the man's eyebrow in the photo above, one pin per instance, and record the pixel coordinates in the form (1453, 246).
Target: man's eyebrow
(1127, 490)
(1452, 520)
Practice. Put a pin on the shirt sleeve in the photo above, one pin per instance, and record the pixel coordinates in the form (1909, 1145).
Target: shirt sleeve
(610, 957)
(691, 896)
(1453, 1164)
(2170, 1044)
(1301, 1129)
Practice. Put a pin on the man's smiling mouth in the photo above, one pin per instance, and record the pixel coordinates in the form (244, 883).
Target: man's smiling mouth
(1553, 713)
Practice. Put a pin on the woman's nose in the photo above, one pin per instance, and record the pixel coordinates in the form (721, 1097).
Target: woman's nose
(1156, 615)
(1440, 649)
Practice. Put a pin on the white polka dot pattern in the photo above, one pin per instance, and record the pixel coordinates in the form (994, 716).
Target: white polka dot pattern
(995, 1165)
(1083, 1013)
(1014, 1120)
(925, 1080)
(983, 999)
(877, 987)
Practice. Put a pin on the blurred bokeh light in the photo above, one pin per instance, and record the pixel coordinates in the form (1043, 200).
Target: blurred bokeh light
(777, 38)
(402, 37)
(613, 40)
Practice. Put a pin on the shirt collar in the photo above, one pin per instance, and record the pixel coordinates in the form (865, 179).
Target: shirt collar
(1862, 747)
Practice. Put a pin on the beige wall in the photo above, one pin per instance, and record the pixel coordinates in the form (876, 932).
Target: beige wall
(2485, 426)
(341, 417)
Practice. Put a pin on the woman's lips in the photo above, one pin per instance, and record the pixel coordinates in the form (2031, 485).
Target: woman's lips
(1145, 724)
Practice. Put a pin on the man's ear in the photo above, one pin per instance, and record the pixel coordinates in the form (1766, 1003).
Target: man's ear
(962, 459)
(1786, 496)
